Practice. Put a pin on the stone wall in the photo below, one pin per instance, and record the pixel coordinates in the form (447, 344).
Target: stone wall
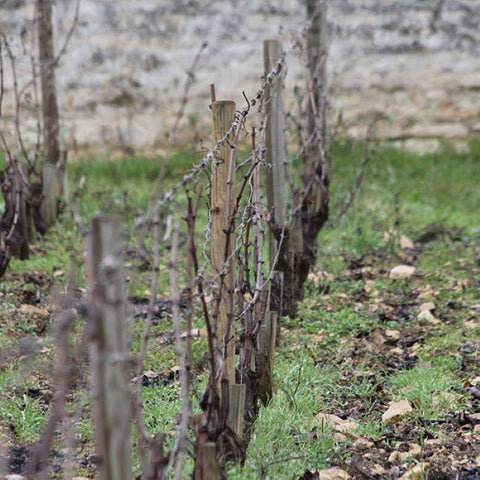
(413, 66)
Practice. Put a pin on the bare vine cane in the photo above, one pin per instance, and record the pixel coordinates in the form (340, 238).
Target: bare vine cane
(145, 440)
(63, 377)
(180, 113)
(182, 431)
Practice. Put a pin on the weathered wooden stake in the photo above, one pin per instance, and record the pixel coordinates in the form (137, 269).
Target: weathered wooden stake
(211, 468)
(317, 46)
(276, 296)
(276, 156)
(263, 340)
(50, 183)
(236, 408)
(275, 141)
(50, 192)
(223, 113)
(109, 350)
(267, 335)
(272, 332)
(263, 354)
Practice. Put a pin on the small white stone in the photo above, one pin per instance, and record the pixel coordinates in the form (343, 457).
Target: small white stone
(402, 271)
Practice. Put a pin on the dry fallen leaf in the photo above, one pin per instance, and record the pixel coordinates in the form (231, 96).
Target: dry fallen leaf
(414, 449)
(470, 324)
(415, 473)
(446, 397)
(474, 380)
(369, 287)
(318, 277)
(378, 469)
(416, 346)
(405, 242)
(346, 427)
(12, 333)
(402, 271)
(341, 438)
(195, 333)
(397, 410)
(319, 337)
(362, 443)
(434, 441)
(363, 373)
(427, 306)
(392, 334)
(334, 473)
(389, 234)
(427, 316)
(377, 336)
(462, 283)
(32, 310)
(398, 457)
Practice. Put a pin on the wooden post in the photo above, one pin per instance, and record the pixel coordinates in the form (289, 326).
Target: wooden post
(236, 408)
(223, 178)
(21, 249)
(266, 344)
(276, 156)
(211, 468)
(50, 184)
(109, 350)
(50, 192)
(275, 141)
(263, 353)
(276, 292)
(316, 177)
(263, 339)
(317, 46)
(272, 331)
(223, 113)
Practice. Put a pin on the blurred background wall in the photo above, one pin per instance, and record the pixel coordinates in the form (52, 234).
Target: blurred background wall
(412, 66)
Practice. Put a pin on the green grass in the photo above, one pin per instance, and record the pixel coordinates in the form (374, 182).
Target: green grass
(287, 436)
(25, 416)
(345, 322)
(58, 250)
(430, 389)
(401, 191)
(371, 430)
(442, 346)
